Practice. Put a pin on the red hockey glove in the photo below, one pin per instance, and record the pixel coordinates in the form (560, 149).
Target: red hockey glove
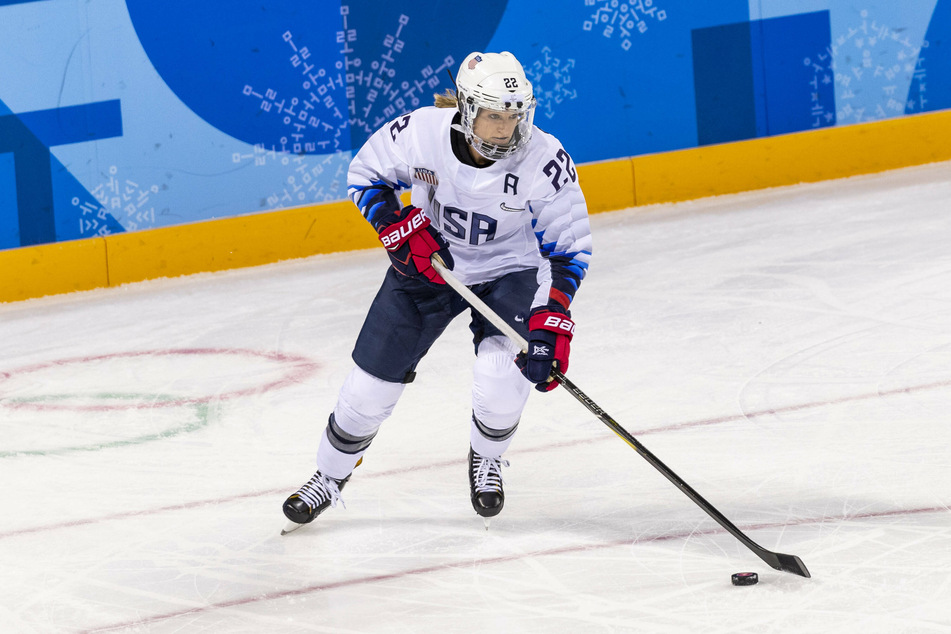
(411, 242)
(549, 343)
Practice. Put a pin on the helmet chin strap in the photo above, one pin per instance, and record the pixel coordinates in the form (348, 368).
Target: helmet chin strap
(476, 143)
(496, 153)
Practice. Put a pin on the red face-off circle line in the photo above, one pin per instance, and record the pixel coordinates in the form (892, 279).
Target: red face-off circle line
(300, 369)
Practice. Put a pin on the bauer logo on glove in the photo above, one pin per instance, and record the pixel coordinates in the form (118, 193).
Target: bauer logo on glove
(411, 243)
(556, 322)
(549, 343)
(395, 234)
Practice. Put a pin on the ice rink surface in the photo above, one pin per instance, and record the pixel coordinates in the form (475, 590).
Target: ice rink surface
(786, 352)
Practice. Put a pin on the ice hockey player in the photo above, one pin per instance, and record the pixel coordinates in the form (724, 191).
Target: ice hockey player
(498, 200)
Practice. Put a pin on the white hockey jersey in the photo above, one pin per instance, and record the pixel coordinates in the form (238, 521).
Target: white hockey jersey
(518, 213)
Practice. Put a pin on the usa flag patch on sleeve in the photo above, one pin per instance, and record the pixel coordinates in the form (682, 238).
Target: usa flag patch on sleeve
(425, 175)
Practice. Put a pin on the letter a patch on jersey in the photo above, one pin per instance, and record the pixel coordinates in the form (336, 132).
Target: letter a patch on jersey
(425, 175)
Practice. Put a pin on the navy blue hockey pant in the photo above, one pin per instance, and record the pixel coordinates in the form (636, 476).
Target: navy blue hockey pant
(408, 315)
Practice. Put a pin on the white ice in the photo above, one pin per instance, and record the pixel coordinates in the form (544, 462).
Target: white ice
(786, 352)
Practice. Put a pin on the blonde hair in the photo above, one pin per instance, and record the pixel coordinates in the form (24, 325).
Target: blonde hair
(447, 99)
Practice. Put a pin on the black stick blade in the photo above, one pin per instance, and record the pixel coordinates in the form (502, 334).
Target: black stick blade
(786, 563)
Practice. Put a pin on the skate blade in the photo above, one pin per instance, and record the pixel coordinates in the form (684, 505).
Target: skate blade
(486, 521)
(290, 527)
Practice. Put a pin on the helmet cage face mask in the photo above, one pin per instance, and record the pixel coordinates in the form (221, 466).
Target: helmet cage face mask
(499, 85)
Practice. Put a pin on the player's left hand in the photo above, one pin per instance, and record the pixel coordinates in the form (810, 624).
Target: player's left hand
(411, 243)
(549, 343)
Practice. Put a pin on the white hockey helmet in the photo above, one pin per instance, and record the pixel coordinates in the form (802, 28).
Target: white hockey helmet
(495, 81)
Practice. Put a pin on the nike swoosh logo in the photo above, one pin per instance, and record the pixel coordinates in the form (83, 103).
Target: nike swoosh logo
(507, 208)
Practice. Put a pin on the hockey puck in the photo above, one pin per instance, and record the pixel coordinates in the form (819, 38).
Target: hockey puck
(745, 578)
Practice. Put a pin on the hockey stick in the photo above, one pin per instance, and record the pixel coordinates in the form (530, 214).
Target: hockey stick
(779, 561)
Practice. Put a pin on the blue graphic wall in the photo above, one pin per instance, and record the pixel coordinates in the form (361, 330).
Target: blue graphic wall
(121, 116)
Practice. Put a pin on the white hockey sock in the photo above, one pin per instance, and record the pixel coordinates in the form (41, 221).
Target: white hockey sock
(363, 404)
(499, 394)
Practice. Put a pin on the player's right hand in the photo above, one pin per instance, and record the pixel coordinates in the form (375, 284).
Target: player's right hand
(411, 242)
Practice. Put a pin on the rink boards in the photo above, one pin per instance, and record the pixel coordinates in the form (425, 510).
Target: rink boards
(255, 239)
